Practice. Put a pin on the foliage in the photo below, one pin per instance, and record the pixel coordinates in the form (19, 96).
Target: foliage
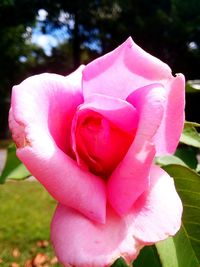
(190, 135)
(13, 168)
(15, 17)
(184, 249)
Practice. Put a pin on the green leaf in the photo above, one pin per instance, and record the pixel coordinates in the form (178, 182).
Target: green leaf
(183, 250)
(13, 169)
(198, 168)
(19, 173)
(119, 263)
(190, 135)
(148, 257)
(168, 160)
(188, 155)
(191, 123)
(177, 251)
(193, 86)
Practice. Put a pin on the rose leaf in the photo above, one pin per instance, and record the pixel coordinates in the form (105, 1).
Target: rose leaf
(148, 257)
(190, 135)
(13, 168)
(183, 250)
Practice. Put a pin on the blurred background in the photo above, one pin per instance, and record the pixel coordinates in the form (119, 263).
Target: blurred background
(57, 36)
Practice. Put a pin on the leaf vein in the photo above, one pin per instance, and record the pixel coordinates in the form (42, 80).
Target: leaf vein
(191, 206)
(188, 191)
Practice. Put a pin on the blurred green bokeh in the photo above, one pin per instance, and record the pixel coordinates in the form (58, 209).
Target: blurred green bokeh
(25, 214)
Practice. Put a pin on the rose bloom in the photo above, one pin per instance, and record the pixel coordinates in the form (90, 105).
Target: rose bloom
(91, 139)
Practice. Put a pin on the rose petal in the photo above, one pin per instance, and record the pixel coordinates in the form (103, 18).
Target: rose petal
(39, 144)
(123, 70)
(65, 181)
(157, 213)
(100, 134)
(82, 243)
(155, 216)
(131, 178)
(116, 110)
(168, 134)
(149, 102)
(48, 101)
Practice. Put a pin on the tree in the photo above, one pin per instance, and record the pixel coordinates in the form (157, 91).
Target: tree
(15, 17)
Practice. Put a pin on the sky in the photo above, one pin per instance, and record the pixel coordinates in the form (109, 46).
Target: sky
(57, 36)
(48, 41)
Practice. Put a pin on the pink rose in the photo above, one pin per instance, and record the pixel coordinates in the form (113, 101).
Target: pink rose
(91, 138)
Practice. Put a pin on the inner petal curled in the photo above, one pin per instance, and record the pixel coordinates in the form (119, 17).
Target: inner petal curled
(99, 139)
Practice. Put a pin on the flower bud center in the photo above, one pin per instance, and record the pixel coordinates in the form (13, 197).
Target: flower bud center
(98, 143)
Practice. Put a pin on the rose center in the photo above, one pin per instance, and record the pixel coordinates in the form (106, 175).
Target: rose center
(98, 143)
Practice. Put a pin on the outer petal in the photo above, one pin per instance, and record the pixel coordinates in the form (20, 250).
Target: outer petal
(131, 178)
(48, 101)
(64, 180)
(168, 135)
(155, 216)
(123, 70)
(38, 104)
(82, 243)
(157, 213)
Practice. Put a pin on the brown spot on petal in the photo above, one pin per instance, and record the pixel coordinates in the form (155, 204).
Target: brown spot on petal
(18, 132)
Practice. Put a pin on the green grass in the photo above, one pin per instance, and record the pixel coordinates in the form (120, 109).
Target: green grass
(26, 210)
